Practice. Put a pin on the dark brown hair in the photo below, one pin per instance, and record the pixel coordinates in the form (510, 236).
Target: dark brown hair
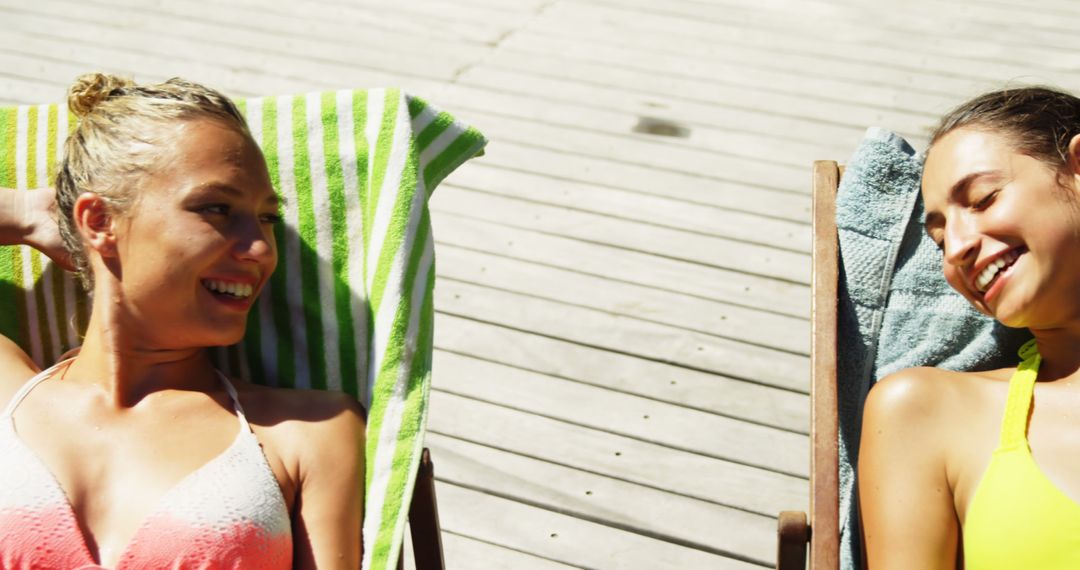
(1039, 121)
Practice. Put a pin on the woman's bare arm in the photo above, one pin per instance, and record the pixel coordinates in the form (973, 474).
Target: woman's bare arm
(329, 510)
(14, 224)
(24, 219)
(30, 218)
(906, 502)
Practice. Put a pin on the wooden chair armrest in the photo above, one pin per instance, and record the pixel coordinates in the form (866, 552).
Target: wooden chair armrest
(793, 537)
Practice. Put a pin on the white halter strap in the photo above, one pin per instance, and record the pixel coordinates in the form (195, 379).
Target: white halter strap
(44, 374)
(29, 385)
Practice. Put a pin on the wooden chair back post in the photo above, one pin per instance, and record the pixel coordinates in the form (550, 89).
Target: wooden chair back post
(424, 527)
(424, 519)
(824, 431)
(822, 531)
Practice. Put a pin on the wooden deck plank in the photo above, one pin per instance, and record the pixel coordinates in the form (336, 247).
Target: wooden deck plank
(745, 117)
(382, 16)
(517, 6)
(821, 39)
(645, 152)
(22, 86)
(429, 12)
(597, 29)
(919, 26)
(966, 20)
(1054, 6)
(645, 102)
(1051, 6)
(756, 143)
(731, 70)
(231, 70)
(804, 104)
(624, 265)
(626, 506)
(763, 405)
(657, 210)
(563, 538)
(608, 23)
(277, 35)
(724, 253)
(62, 60)
(464, 552)
(591, 327)
(717, 481)
(360, 20)
(784, 14)
(896, 85)
(691, 313)
(791, 204)
(623, 414)
(973, 7)
(262, 30)
(415, 17)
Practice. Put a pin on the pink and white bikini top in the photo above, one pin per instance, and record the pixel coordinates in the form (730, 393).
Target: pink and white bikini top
(229, 513)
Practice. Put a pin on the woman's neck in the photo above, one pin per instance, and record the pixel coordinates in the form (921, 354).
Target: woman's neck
(1060, 351)
(126, 361)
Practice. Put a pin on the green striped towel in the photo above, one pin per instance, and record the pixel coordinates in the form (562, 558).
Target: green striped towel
(350, 305)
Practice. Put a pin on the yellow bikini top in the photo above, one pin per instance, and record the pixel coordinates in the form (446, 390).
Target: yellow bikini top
(1018, 518)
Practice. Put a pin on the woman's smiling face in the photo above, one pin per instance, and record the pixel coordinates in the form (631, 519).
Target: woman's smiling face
(1008, 228)
(197, 245)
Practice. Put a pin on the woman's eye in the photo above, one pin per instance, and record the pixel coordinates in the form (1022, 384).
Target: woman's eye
(271, 218)
(985, 200)
(222, 209)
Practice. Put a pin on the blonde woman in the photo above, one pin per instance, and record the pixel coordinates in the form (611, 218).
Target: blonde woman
(136, 452)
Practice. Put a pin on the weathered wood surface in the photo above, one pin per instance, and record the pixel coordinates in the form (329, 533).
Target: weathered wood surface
(622, 335)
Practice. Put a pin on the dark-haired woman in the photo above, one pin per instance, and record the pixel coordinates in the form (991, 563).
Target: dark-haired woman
(137, 453)
(983, 469)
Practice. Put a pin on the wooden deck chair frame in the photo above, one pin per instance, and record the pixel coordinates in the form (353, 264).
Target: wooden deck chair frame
(822, 530)
(424, 520)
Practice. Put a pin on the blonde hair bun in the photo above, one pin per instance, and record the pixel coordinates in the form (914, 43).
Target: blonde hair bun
(91, 89)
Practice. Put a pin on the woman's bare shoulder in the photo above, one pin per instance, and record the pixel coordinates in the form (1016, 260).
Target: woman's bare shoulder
(296, 404)
(307, 418)
(15, 369)
(932, 397)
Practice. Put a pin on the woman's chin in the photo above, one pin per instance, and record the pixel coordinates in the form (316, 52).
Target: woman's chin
(224, 336)
(1013, 322)
(1015, 315)
(228, 340)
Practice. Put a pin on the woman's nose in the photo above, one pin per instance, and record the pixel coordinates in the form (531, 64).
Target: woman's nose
(255, 242)
(961, 241)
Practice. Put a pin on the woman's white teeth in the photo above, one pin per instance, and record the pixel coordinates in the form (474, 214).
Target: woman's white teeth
(240, 290)
(992, 269)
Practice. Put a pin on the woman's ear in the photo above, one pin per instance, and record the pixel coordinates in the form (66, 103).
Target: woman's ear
(95, 223)
(1074, 157)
